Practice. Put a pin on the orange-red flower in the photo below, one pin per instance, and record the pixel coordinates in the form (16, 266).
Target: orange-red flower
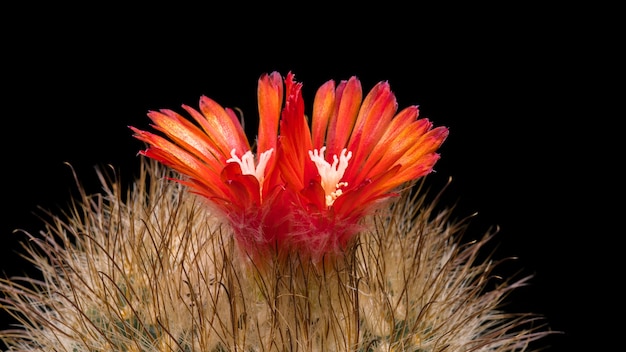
(308, 186)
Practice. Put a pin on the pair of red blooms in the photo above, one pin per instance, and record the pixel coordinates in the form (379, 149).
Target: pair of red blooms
(311, 181)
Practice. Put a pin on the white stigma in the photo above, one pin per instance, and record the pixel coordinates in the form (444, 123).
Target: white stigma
(247, 164)
(331, 174)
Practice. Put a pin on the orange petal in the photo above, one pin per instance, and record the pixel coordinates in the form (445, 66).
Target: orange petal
(348, 101)
(374, 116)
(323, 107)
(186, 135)
(227, 134)
(426, 144)
(420, 160)
(270, 98)
(422, 167)
(402, 134)
(174, 156)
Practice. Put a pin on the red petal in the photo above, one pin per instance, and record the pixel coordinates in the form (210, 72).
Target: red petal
(360, 199)
(314, 196)
(295, 139)
(244, 188)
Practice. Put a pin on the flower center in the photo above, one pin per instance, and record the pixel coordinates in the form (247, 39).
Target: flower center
(331, 174)
(247, 164)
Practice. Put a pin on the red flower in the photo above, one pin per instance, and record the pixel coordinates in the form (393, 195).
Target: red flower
(308, 187)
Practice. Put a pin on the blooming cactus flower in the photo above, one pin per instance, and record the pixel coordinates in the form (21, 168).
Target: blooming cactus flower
(308, 186)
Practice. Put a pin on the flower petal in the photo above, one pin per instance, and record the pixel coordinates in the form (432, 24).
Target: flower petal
(188, 136)
(295, 139)
(348, 101)
(400, 136)
(323, 108)
(180, 160)
(270, 98)
(374, 116)
(420, 159)
(245, 188)
(221, 126)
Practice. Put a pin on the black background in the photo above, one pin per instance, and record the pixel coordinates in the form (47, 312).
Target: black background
(516, 87)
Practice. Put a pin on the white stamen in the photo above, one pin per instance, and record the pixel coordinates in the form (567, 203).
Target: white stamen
(247, 163)
(331, 174)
